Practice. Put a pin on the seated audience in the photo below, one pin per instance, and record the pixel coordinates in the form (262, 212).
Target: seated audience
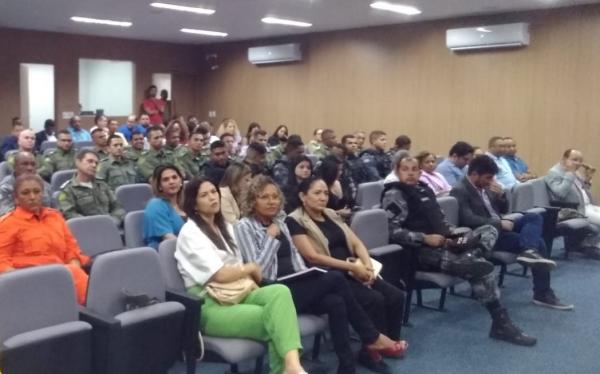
(482, 201)
(78, 134)
(11, 142)
(256, 158)
(26, 143)
(353, 164)
(156, 155)
(33, 235)
(25, 164)
(207, 253)
(263, 238)
(401, 143)
(360, 141)
(116, 170)
(173, 136)
(163, 215)
(315, 145)
(257, 136)
(135, 149)
(496, 151)
(112, 128)
(230, 145)
(48, 134)
(567, 185)
(377, 161)
(280, 133)
(191, 156)
(218, 162)
(100, 139)
(417, 222)
(324, 239)
(84, 195)
(433, 179)
(477, 151)
(516, 163)
(453, 168)
(100, 121)
(301, 168)
(61, 158)
(392, 176)
(328, 140)
(234, 182)
(293, 148)
(330, 170)
(230, 126)
(129, 127)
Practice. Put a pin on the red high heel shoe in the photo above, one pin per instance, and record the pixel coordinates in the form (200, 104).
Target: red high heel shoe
(398, 350)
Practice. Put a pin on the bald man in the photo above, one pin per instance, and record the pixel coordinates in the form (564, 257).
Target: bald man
(24, 164)
(26, 143)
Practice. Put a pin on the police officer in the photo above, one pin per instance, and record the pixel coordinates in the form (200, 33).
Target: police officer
(191, 156)
(378, 162)
(281, 170)
(61, 158)
(354, 165)
(100, 139)
(84, 195)
(116, 170)
(156, 155)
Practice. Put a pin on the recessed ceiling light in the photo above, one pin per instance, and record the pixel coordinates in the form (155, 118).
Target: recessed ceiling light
(286, 22)
(205, 32)
(483, 29)
(101, 21)
(397, 8)
(183, 8)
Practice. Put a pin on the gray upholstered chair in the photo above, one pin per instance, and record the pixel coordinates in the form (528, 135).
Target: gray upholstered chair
(39, 327)
(59, 178)
(47, 146)
(139, 326)
(133, 227)
(96, 234)
(133, 196)
(4, 169)
(368, 194)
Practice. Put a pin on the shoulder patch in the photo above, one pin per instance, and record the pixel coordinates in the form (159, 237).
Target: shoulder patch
(64, 185)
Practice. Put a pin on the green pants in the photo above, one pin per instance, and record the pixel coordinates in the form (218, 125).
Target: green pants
(267, 314)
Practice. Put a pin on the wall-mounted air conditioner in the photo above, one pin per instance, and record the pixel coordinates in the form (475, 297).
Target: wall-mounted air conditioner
(487, 37)
(270, 54)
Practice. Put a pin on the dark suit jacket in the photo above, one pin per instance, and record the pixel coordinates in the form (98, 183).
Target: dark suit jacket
(40, 137)
(472, 211)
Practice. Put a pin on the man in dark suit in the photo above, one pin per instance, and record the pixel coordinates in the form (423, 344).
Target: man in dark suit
(482, 201)
(47, 133)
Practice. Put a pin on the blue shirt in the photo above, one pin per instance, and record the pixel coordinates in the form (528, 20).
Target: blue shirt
(517, 165)
(505, 175)
(9, 144)
(160, 219)
(81, 135)
(450, 171)
(127, 132)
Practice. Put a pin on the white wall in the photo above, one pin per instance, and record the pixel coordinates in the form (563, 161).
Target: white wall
(107, 85)
(37, 94)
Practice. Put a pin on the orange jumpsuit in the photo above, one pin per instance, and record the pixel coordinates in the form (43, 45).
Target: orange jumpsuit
(27, 240)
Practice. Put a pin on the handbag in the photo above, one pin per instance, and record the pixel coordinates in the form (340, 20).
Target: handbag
(377, 266)
(231, 293)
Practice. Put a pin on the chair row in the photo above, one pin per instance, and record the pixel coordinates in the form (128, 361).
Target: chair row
(137, 319)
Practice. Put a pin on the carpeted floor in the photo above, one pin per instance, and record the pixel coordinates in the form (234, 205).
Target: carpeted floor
(456, 341)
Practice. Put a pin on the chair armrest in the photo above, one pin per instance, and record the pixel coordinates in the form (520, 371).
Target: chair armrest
(550, 208)
(191, 321)
(563, 204)
(105, 340)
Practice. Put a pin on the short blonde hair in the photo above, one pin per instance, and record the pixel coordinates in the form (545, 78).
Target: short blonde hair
(254, 189)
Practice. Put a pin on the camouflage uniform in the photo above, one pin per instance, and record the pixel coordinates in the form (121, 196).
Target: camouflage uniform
(133, 154)
(102, 154)
(117, 172)
(55, 161)
(77, 200)
(322, 152)
(7, 200)
(357, 169)
(377, 162)
(151, 159)
(191, 163)
(10, 159)
(413, 212)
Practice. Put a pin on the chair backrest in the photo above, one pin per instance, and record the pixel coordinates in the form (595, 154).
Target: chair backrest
(371, 226)
(34, 298)
(313, 160)
(54, 201)
(133, 196)
(168, 264)
(84, 144)
(523, 197)
(47, 145)
(369, 194)
(449, 206)
(4, 169)
(540, 193)
(133, 226)
(60, 177)
(134, 271)
(96, 234)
